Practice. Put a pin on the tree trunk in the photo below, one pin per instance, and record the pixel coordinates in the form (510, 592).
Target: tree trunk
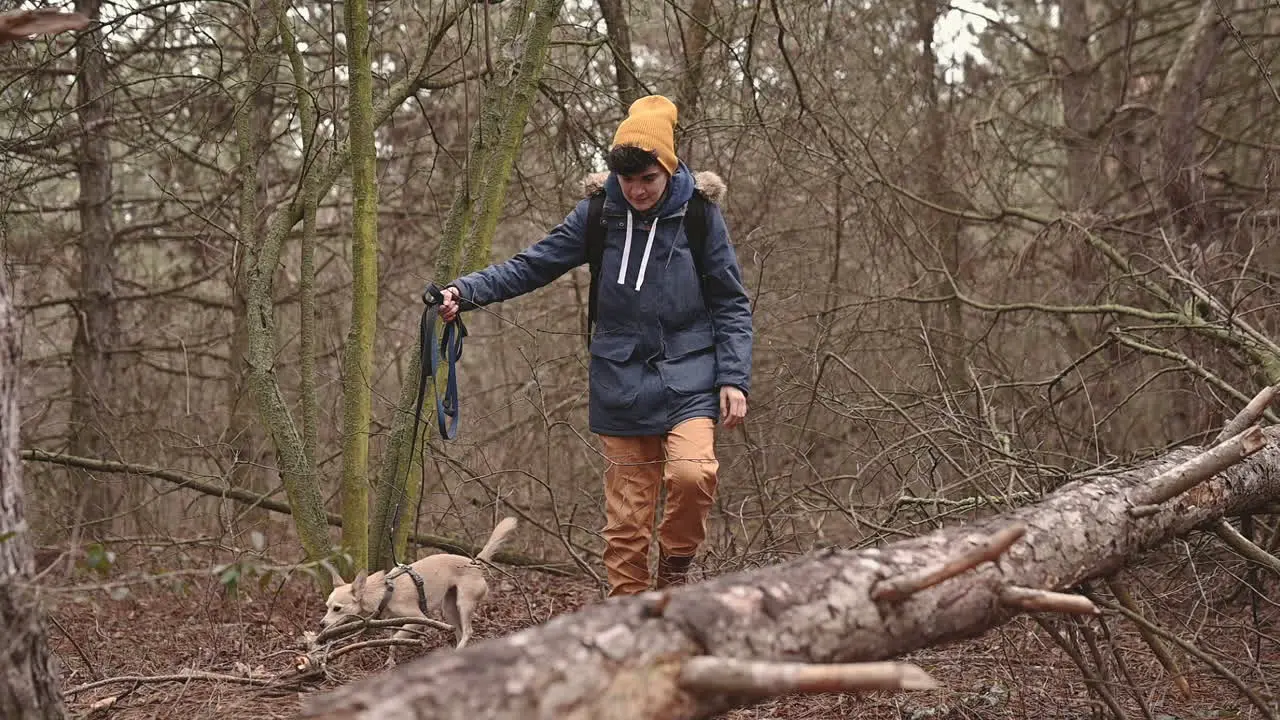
(468, 233)
(259, 268)
(1078, 87)
(357, 365)
(619, 30)
(245, 432)
(1181, 176)
(28, 679)
(944, 228)
(294, 446)
(695, 34)
(97, 322)
(651, 656)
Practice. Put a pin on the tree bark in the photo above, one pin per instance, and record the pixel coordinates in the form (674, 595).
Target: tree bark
(97, 321)
(634, 657)
(28, 680)
(695, 35)
(357, 358)
(944, 228)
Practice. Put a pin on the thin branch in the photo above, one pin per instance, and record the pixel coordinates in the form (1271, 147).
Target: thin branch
(1158, 648)
(262, 501)
(1201, 655)
(1245, 546)
(906, 585)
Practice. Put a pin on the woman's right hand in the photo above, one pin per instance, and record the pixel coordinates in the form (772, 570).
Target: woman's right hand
(449, 308)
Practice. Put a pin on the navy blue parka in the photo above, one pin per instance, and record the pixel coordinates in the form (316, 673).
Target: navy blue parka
(660, 350)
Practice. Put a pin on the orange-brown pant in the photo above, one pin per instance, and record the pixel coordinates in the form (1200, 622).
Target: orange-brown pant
(684, 461)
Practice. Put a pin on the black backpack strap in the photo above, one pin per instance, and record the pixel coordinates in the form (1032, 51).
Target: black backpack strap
(595, 238)
(695, 228)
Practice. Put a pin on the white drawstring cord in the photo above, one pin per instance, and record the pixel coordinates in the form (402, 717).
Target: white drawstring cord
(626, 252)
(644, 261)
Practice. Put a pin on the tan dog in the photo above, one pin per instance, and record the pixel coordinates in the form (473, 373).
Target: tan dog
(453, 584)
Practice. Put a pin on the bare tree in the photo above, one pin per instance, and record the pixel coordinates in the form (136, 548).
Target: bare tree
(28, 679)
(97, 319)
(29, 685)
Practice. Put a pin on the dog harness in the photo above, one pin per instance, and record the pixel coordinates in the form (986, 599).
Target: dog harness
(401, 569)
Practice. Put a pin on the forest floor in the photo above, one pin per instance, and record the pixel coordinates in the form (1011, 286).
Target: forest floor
(145, 639)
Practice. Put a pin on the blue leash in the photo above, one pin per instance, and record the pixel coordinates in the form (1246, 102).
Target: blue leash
(450, 348)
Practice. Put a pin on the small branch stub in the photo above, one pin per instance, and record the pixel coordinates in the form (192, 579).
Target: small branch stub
(1035, 600)
(1178, 480)
(769, 679)
(1250, 414)
(903, 586)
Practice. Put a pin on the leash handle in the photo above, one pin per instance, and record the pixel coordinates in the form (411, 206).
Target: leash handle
(433, 295)
(450, 350)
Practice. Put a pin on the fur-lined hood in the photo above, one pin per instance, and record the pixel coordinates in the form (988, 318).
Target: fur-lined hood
(711, 184)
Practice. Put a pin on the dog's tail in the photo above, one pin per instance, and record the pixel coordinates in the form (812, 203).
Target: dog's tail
(499, 536)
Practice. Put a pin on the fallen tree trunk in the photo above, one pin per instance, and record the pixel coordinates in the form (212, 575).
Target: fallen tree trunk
(650, 656)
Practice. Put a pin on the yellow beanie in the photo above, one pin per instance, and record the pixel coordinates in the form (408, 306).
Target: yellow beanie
(651, 125)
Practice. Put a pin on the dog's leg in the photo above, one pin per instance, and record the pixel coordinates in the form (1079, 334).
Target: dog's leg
(449, 608)
(468, 599)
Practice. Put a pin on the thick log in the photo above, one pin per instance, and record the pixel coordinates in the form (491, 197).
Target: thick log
(625, 657)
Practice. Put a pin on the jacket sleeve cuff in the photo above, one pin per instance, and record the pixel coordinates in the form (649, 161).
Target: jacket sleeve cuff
(465, 293)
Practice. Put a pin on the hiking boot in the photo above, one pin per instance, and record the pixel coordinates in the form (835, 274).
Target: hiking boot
(671, 570)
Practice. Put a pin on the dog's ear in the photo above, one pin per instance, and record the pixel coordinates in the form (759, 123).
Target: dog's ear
(337, 579)
(357, 585)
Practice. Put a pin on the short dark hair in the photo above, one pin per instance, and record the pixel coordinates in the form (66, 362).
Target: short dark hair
(630, 160)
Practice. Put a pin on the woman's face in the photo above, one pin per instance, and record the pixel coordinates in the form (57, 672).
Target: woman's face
(644, 189)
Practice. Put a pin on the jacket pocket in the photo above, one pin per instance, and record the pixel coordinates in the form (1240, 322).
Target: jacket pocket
(614, 380)
(690, 364)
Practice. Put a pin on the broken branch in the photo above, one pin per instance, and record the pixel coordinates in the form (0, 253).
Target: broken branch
(1033, 600)
(769, 679)
(1183, 477)
(1250, 414)
(22, 24)
(906, 585)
